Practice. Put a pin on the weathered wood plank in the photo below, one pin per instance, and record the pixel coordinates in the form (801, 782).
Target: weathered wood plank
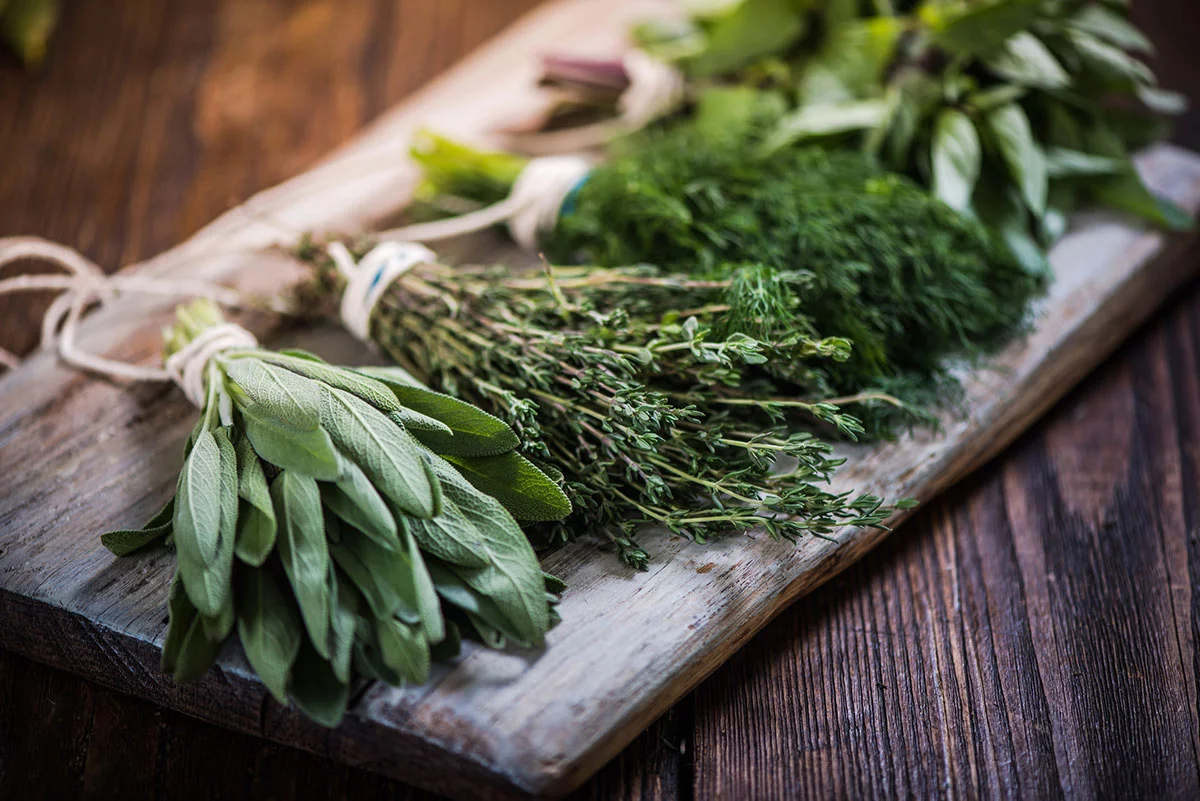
(631, 644)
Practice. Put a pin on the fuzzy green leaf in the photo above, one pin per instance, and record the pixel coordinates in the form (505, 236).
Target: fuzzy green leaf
(269, 628)
(316, 689)
(524, 490)
(425, 594)
(197, 526)
(384, 577)
(354, 499)
(256, 517)
(404, 649)
(343, 614)
(345, 379)
(304, 450)
(125, 541)
(304, 552)
(187, 653)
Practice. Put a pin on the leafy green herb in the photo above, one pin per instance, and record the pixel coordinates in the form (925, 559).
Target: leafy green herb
(299, 490)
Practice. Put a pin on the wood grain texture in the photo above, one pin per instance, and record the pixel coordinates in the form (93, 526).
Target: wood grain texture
(720, 714)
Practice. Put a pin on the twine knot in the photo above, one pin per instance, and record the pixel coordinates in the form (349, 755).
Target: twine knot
(367, 280)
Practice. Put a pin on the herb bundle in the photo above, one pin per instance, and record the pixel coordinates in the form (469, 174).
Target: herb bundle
(808, 241)
(1015, 111)
(344, 522)
(625, 380)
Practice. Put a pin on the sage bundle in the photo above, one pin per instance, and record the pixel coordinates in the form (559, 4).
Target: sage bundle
(343, 521)
(811, 241)
(627, 381)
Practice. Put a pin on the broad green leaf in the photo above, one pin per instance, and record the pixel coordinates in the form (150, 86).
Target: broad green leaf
(721, 110)
(491, 636)
(273, 392)
(387, 453)
(354, 499)
(1062, 162)
(1128, 193)
(753, 29)
(812, 122)
(1109, 61)
(187, 653)
(525, 491)
(256, 517)
(475, 604)
(979, 28)
(454, 534)
(304, 450)
(125, 541)
(269, 628)
(512, 579)
(1110, 27)
(1162, 101)
(345, 379)
(218, 626)
(368, 661)
(1061, 127)
(450, 645)
(415, 421)
(404, 649)
(316, 689)
(1000, 95)
(343, 614)
(999, 207)
(475, 432)
(554, 584)
(304, 551)
(384, 577)
(852, 62)
(197, 526)
(1026, 61)
(956, 159)
(1024, 158)
(425, 594)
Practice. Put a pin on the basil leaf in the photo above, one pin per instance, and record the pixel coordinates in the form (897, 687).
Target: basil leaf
(744, 32)
(123, 542)
(343, 614)
(256, 517)
(269, 628)
(956, 159)
(978, 28)
(1128, 193)
(187, 653)
(354, 499)
(1162, 101)
(368, 389)
(403, 649)
(303, 450)
(387, 453)
(1111, 62)
(526, 492)
(1062, 162)
(999, 207)
(304, 552)
(1111, 27)
(315, 688)
(197, 526)
(852, 62)
(1026, 61)
(811, 122)
(1025, 161)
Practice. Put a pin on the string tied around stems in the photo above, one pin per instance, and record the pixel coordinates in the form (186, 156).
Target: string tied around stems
(369, 278)
(86, 284)
(532, 206)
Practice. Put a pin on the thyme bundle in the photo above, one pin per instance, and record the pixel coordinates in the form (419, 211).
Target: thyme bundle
(623, 379)
(344, 522)
(809, 241)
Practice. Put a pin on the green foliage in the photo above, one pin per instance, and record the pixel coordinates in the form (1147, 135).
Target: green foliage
(303, 489)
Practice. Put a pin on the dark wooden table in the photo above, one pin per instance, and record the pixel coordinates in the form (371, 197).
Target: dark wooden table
(1033, 633)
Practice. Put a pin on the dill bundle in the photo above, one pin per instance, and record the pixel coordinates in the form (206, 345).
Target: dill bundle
(624, 381)
(809, 240)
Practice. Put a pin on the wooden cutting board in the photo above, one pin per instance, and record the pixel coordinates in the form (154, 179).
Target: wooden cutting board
(79, 455)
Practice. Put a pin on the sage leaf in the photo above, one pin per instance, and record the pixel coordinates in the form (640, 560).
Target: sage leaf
(304, 552)
(269, 628)
(403, 649)
(449, 646)
(275, 393)
(1026, 61)
(387, 453)
(1024, 158)
(123, 542)
(425, 594)
(220, 567)
(367, 659)
(384, 577)
(197, 526)
(304, 450)
(524, 490)
(491, 636)
(347, 380)
(474, 431)
(256, 517)
(354, 499)
(956, 159)
(415, 421)
(343, 615)
(315, 688)
(187, 653)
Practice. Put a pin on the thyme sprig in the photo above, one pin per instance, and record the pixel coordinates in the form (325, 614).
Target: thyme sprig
(652, 418)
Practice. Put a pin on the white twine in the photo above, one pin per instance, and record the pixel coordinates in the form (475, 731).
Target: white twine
(532, 206)
(367, 280)
(88, 284)
(655, 89)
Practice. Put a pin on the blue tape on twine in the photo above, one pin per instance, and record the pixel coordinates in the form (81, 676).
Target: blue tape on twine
(568, 204)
